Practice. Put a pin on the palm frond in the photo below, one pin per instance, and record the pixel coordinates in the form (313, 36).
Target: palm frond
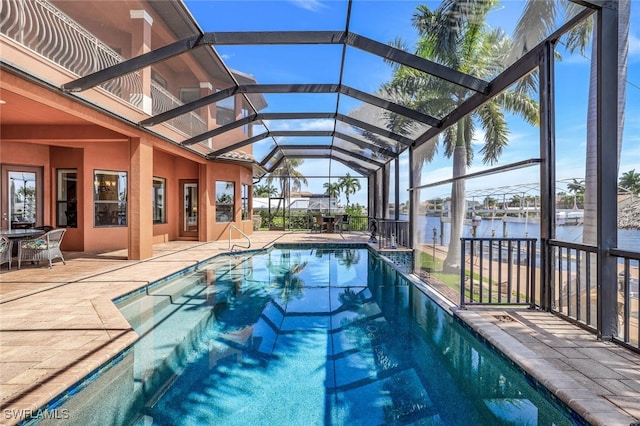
(496, 131)
(538, 20)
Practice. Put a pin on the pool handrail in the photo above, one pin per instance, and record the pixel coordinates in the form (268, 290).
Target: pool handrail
(232, 227)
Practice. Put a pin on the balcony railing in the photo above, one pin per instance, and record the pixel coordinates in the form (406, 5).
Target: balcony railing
(573, 288)
(628, 298)
(498, 271)
(42, 28)
(392, 233)
(191, 124)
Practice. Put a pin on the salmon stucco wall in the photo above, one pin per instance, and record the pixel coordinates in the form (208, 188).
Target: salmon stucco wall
(230, 173)
(108, 156)
(164, 166)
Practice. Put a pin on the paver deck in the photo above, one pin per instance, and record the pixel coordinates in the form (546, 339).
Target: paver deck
(59, 324)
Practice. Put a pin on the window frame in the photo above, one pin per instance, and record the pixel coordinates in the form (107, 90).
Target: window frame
(104, 213)
(225, 201)
(245, 201)
(159, 211)
(225, 110)
(66, 198)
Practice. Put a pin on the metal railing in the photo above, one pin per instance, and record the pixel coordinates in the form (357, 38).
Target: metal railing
(575, 292)
(498, 271)
(358, 223)
(191, 124)
(392, 234)
(40, 27)
(231, 247)
(628, 298)
(573, 282)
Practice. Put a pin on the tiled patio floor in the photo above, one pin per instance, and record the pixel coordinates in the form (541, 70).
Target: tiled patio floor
(58, 325)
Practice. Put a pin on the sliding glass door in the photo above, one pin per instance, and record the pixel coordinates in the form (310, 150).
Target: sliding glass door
(22, 197)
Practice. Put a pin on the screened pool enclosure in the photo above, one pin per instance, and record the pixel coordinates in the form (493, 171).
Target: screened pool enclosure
(386, 136)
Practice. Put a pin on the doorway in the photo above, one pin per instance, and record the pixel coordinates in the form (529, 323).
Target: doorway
(189, 211)
(22, 197)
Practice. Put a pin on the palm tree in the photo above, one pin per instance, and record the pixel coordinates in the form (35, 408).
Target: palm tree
(537, 21)
(631, 181)
(332, 190)
(349, 185)
(286, 278)
(289, 178)
(264, 190)
(455, 35)
(576, 188)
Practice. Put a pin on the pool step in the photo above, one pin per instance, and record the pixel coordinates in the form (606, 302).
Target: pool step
(141, 311)
(169, 320)
(167, 338)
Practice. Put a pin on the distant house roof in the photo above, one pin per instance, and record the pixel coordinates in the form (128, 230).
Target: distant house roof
(313, 202)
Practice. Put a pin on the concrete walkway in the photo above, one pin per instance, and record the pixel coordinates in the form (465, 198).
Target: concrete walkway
(57, 325)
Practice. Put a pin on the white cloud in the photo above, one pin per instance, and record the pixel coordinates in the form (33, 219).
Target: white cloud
(319, 124)
(478, 137)
(310, 5)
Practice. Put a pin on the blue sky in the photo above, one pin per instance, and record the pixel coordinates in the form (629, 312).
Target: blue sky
(384, 21)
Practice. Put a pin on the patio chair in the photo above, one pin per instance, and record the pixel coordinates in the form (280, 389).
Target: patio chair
(337, 224)
(314, 224)
(5, 251)
(320, 225)
(345, 223)
(45, 247)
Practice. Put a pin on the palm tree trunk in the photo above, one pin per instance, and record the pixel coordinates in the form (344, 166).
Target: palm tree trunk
(589, 232)
(452, 263)
(590, 195)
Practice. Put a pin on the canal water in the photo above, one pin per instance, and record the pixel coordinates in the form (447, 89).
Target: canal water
(628, 239)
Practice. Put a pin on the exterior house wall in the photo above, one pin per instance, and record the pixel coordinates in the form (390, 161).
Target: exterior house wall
(164, 166)
(111, 157)
(230, 173)
(56, 131)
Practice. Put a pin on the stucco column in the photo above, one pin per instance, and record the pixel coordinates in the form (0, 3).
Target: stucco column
(140, 199)
(207, 193)
(140, 44)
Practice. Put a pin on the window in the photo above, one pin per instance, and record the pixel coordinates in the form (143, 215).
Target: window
(225, 194)
(225, 111)
(161, 81)
(245, 127)
(189, 94)
(110, 198)
(158, 197)
(245, 201)
(66, 198)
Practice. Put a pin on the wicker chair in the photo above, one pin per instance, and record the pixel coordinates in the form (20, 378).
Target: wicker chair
(45, 247)
(320, 225)
(337, 224)
(6, 246)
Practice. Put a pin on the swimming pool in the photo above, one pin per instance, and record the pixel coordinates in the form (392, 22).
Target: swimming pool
(306, 336)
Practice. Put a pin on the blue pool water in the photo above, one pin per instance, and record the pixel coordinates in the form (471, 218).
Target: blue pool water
(318, 337)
